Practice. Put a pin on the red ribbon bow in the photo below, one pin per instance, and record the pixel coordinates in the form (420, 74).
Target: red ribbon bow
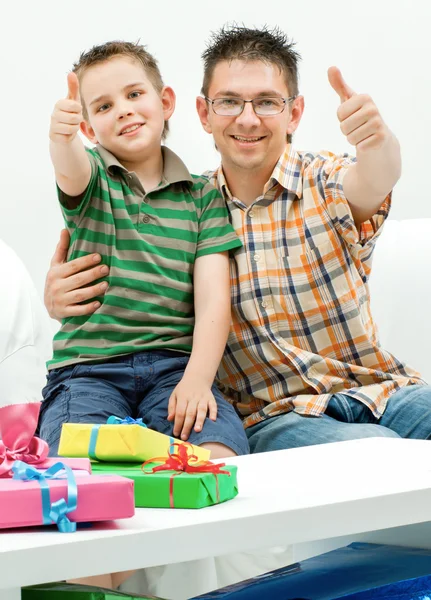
(17, 426)
(182, 462)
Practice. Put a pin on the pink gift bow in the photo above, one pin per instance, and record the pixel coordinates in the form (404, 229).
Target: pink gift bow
(18, 423)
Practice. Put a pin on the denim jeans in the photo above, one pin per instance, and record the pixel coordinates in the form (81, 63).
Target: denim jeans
(407, 415)
(137, 385)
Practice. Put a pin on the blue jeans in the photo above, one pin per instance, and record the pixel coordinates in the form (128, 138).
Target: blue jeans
(136, 385)
(407, 415)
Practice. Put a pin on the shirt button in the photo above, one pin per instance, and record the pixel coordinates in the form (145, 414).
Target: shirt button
(146, 219)
(256, 258)
(264, 304)
(251, 214)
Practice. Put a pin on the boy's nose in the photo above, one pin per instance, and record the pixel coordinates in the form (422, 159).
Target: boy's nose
(125, 111)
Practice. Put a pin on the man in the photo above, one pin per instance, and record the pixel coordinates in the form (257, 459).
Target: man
(303, 364)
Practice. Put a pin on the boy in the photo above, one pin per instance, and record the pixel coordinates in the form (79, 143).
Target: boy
(165, 235)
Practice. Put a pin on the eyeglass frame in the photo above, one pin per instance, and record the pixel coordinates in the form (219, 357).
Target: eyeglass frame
(244, 102)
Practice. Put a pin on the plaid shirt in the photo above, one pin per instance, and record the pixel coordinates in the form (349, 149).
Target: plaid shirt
(302, 328)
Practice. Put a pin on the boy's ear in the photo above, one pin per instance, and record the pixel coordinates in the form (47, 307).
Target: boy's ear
(202, 108)
(88, 131)
(168, 101)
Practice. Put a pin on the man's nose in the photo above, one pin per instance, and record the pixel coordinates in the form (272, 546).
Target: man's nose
(248, 117)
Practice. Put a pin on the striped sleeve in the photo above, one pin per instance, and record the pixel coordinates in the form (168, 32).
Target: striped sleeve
(216, 233)
(73, 216)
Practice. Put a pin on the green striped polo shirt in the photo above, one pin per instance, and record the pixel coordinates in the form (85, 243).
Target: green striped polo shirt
(150, 243)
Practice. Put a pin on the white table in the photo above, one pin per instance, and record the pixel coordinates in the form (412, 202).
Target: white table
(315, 497)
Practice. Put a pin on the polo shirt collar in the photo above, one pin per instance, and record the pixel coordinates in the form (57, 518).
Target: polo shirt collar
(174, 170)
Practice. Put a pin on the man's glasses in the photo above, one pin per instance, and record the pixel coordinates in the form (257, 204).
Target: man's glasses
(263, 107)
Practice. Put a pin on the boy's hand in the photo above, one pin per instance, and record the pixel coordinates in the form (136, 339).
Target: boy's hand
(189, 404)
(359, 117)
(67, 115)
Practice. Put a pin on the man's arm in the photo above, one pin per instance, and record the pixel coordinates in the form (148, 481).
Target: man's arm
(192, 399)
(378, 167)
(71, 163)
(68, 283)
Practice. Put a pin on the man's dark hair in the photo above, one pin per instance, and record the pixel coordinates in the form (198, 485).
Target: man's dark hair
(235, 42)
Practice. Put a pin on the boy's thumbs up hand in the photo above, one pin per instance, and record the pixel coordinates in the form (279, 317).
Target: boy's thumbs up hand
(73, 87)
(67, 115)
(360, 120)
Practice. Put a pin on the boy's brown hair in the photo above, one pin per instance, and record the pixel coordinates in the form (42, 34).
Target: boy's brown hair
(135, 51)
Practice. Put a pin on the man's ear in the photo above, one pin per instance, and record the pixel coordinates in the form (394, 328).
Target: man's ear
(296, 113)
(168, 100)
(203, 111)
(88, 131)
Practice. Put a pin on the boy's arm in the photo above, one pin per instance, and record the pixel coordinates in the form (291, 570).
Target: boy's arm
(71, 163)
(192, 398)
(378, 158)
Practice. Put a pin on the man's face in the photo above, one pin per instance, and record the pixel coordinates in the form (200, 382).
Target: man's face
(248, 141)
(126, 114)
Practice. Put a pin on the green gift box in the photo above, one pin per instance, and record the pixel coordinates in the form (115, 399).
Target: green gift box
(175, 489)
(73, 591)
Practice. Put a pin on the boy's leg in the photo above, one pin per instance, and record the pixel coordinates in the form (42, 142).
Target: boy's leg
(225, 436)
(84, 394)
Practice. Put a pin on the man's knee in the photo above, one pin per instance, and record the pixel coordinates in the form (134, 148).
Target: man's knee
(292, 430)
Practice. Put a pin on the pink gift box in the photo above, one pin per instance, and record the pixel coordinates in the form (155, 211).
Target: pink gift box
(100, 498)
(76, 464)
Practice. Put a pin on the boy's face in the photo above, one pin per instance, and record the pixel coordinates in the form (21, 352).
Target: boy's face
(248, 141)
(126, 114)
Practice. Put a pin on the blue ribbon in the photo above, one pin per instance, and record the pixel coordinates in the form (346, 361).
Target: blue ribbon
(127, 421)
(52, 512)
(112, 420)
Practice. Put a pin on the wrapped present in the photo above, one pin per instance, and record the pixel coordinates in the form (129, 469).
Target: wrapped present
(179, 481)
(18, 423)
(120, 440)
(78, 465)
(74, 591)
(356, 572)
(38, 497)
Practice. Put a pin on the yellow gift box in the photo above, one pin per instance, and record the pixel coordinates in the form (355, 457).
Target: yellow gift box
(119, 440)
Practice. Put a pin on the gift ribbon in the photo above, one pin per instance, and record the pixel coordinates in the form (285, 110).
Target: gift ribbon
(17, 440)
(52, 512)
(112, 420)
(184, 462)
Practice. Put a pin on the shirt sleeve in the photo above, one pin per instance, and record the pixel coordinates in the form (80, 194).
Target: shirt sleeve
(216, 233)
(72, 216)
(329, 174)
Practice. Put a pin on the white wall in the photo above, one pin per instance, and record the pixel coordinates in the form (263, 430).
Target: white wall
(383, 47)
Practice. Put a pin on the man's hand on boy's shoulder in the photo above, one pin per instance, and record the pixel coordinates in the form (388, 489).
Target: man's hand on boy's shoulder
(68, 284)
(189, 405)
(67, 115)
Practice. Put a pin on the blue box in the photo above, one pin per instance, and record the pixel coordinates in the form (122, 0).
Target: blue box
(356, 572)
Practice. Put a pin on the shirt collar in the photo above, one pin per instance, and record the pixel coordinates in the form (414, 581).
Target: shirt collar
(174, 170)
(287, 173)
